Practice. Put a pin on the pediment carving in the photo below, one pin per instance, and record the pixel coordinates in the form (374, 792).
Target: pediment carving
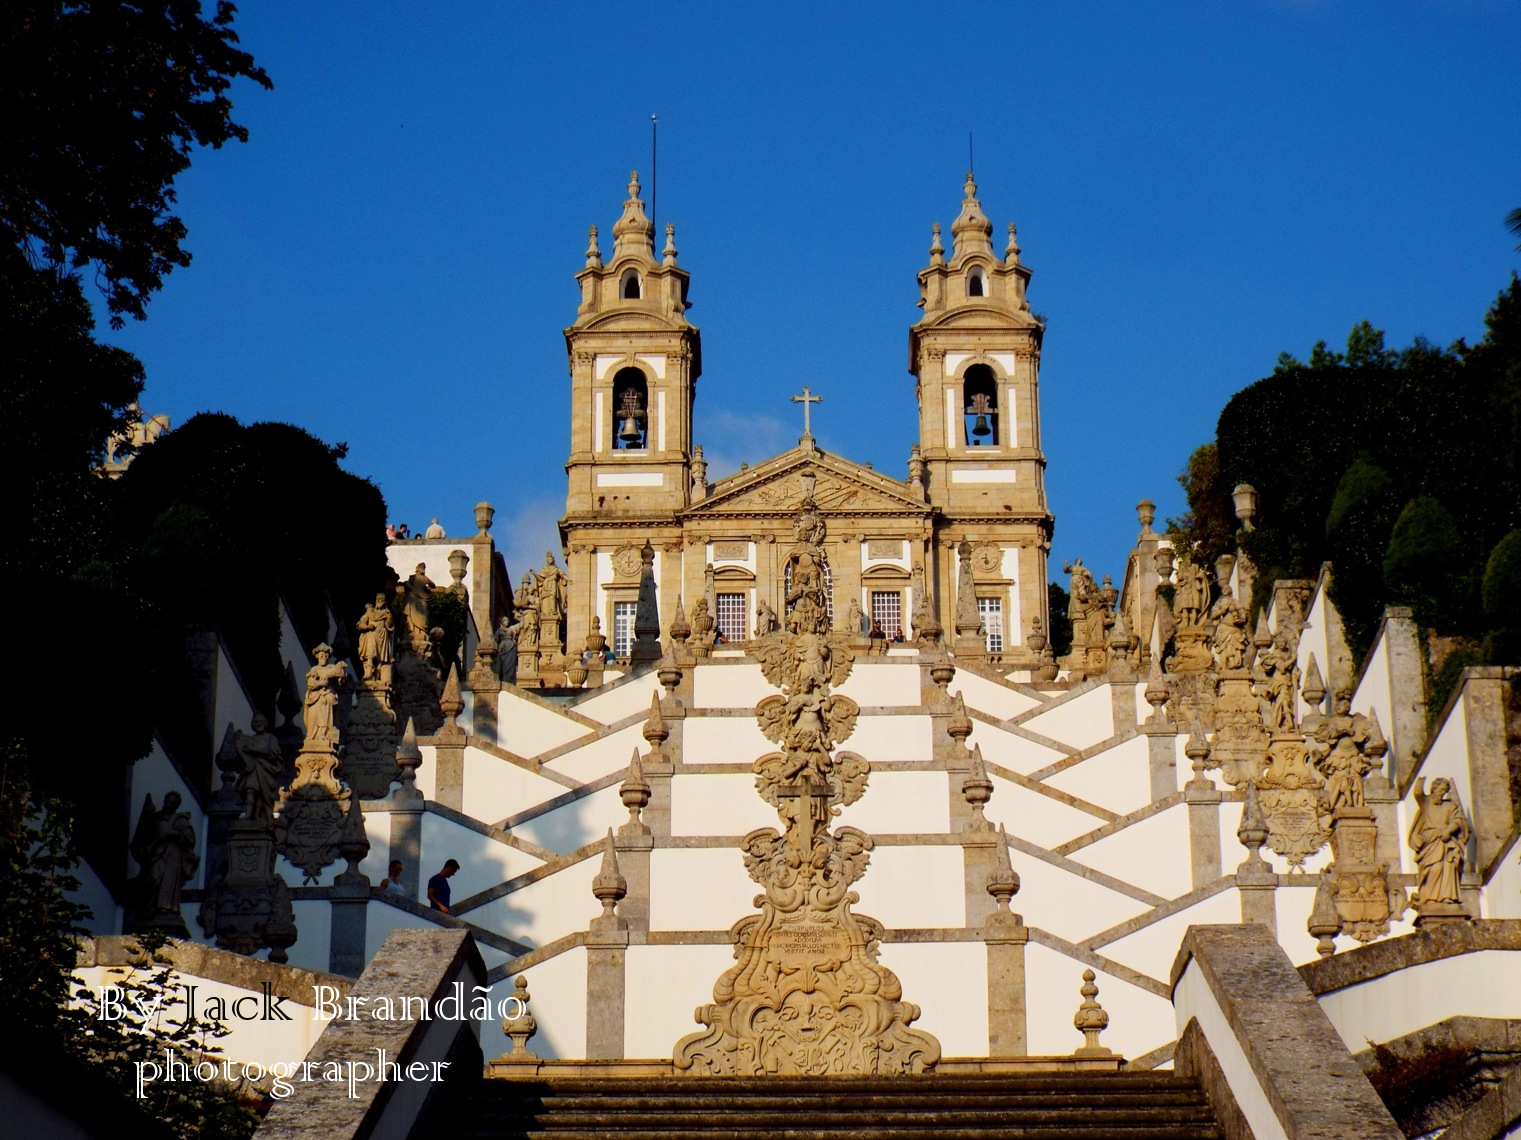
(835, 490)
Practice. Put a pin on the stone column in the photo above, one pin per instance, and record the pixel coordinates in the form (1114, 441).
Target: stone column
(606, 950)
(1203, 800)
(1005, 935)
(449, 748)
(1122, 702)
(1255, 879)
(482, 563)
(406, 809)
(350, 897)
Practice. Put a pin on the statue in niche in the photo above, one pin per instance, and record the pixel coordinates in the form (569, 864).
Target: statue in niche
(506, 638)
(1278, 681)
(416, 592)
(1342, 745)
(1439, 840)
(164, 847)
(1231, 640)
(551, 593)
(324, 681)
(765, 619)
(807, 601)
(377, 641)
(1191, 599)
(263, 767)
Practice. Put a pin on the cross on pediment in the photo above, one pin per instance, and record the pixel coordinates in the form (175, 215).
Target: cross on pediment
(805, 399)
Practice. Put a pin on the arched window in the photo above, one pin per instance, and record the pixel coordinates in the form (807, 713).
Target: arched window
(628, 285)
(980, 406)
(976, 284)
(631, 410)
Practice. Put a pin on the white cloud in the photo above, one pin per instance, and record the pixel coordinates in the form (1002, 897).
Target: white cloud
(729, 438)
(527, 533)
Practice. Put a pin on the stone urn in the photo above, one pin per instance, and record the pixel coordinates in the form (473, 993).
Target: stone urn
(575, 674)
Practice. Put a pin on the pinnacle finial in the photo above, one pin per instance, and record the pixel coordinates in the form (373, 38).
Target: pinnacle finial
(593, 250)
(1011, 251)
(633, 184)
(669, 252)
(937, 250)
(970, 187)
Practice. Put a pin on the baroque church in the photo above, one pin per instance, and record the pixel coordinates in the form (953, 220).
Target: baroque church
(780, 778)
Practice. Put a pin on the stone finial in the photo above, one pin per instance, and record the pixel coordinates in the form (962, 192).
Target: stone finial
(971, 231)
(978, 790)
(1261, 637)
(633, 232)
(1253, 831)
(1011, 250)
(609, 887)
(937, 250)
(451, 704)
(668, 254)
(484, 513)
(593, 251)
(1324, 923)
(668, 670)
(1313, 688)
(522, 1026)
(1376, 745)
(655, 730)
(1091, 1020)
(941, 670)
(458, 560)
(681, 629)
(1003, 880)
(1156, 694)
(959, 725)
(353, 845)
(646, 647)
(1146, 511)
(408, 759)
(635, 794)
(1197, 750)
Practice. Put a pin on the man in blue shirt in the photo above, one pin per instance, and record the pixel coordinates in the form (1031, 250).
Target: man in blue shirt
(438, 887)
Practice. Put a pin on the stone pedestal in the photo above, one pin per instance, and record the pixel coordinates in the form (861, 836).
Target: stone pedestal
(1359, 884)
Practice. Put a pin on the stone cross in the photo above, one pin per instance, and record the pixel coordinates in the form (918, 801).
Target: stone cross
(805, 399)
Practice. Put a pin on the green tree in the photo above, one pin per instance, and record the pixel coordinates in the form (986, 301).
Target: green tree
(1423, 564)
(104, 103)
(1502, 600)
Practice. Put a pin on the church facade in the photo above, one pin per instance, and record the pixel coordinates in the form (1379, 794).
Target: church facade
(960, 545)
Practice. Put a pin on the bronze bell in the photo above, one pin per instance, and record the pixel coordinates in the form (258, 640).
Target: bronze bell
(629, 432)
(981, 426)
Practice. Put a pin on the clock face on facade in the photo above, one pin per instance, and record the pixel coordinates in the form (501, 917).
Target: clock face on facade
(626, 561)
(987, 558)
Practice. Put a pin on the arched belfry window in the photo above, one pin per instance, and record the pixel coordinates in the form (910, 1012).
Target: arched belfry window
(976, 283)
(980, 406)
(628, 285)
(631, 410)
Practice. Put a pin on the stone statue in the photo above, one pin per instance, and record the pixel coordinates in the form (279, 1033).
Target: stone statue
(506, 638)
(1342, 754)
(765, 619)
(551, 592)
(416, 592)
(527, 597)
(377, 641)
(1439, 840)
(807, 601)
(528, 631)
(1231, 641)
(1086, 609)
(1191, 600)
(808, 527)
(164, 847)
(855, 620)
(324, 680)
(1278, 681)
(263, 767)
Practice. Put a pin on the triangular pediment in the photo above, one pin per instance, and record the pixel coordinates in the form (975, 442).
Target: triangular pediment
(777, 487)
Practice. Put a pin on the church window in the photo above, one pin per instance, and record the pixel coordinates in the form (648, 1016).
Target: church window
(976, 285)
(990, 611)
(980, 407)
(887, 610)
(628, 285)
(631, 410)
(623, 628)
(732, 617)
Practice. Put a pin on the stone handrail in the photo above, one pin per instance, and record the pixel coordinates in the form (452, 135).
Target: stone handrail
(421, 1054)
(1269, 1059)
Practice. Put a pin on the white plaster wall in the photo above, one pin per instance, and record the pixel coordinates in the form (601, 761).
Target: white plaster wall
(1067, 904)
(483, 862)
(989, 696)
(105, 914)
(255, 1041)
(1447, 756)
(1193, 1000)
(1079, 722)
(1502, 895)
(1153, 854)
(893, 684)
(529, 729)
(723, 739)
(703, 888)
(496, 788)
(577, 823)
(292, 652)
(1312, 639)
(1151, 949)
(314, 930)
(1373, 696)
(556, 905)
(404, 557)
(1010, 750)
(948, 981)
(600, 756)
(427, 772)
(892, 738)
(380, 920)
(377, 829)
(1138, 1021)
(718, 803)
(1117, 778)
(557, 997)
(614, 704)
(1038, 818)
(914, 886)
(157, 776)
(728, 686)
(1483, 984)
(663, 985)
(901, 803)
(1014, 619)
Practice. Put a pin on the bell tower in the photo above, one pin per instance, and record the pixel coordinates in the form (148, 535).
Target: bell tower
(975, 354)
(634, 362)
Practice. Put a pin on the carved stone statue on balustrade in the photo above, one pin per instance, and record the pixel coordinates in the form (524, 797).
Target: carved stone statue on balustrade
(1091, 615)
(506, 638)
(165, 849)
(765, 619)
(1277, 676)
(1439, 836)
(416, 592)
(1231, 640)
(377, 642)
(551, 592)
(1347, 747)
(261, 769)
(324, 681)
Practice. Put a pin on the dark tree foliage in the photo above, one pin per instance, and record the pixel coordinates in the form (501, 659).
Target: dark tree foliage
(1502, 599)
(1438, 423)
(1424, 566)
(1057, 601)
(103, 103)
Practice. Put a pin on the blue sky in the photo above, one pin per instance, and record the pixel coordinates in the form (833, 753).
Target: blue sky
(1198, 187)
